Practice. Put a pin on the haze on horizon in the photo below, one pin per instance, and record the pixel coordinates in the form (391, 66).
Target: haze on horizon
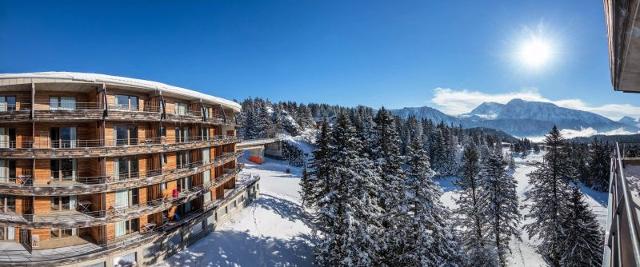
(452, 56)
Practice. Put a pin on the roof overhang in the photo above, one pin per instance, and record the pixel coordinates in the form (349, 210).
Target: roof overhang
(623, 28)
(13, 79)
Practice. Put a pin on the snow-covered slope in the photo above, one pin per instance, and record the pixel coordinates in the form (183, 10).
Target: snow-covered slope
(271, 231)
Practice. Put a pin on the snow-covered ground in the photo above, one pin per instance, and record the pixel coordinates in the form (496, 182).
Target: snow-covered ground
(523, 252)
(271, 231)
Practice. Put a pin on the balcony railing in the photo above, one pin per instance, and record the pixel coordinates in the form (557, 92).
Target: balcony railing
(96, 184)
(622, 243)
(111, 147)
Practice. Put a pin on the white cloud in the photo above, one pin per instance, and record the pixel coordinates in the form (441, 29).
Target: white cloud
(455, 102)
(585, 132)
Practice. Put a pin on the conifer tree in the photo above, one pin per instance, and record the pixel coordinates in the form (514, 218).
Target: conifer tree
(549, 197)
(388, 162)
(473, 220)
(582, 242)
(349, 210)
(500, 203)
(430, 237)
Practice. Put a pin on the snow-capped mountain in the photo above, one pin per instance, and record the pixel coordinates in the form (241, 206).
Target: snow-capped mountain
(523, 118)
(629, 121)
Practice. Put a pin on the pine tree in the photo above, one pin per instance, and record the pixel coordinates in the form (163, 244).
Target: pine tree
(349, 211)
(430, 237)
(473, 221)
(388, 162)
(549, 198)
(582, 242)
(500, 203)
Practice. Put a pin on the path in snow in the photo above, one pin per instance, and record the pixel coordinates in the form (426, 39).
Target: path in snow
(523, 252)
(271, 231)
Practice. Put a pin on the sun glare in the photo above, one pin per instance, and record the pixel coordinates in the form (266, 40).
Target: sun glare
(535, 52)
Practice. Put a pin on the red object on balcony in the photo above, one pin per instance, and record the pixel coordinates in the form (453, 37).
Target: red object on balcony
(256, 159)
(174, 193)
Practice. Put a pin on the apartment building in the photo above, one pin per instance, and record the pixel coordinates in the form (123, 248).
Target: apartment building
(93, 166)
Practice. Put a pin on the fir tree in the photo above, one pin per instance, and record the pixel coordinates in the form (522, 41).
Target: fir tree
(473, 220)
(430, 237)
(500, 203)
(582, 242)
(349, 210)
(549, 196)
(388, 161)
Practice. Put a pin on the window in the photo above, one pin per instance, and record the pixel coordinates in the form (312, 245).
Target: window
(126, 135)
(127, 227)
(63, 203)
(184, 184)
(7, 137)
(62, 103)
(125, 168)
(184, 159)
(63, 137)
(204, 133)
(206, 177)
(207, 197)
(122, 199)
(7, 103)
(7, 169)
(182, 135)
(181, 109)
(62, 233)
(125, 102)
(64, 169)
(7, 203)
(206, 155)
(205, 112)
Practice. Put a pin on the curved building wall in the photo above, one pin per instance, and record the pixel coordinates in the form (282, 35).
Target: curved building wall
(104, 162)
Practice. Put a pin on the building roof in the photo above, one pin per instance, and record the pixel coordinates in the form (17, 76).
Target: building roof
(78, 77)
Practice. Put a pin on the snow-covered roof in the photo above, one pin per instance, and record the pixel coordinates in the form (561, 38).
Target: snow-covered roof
(40, 77)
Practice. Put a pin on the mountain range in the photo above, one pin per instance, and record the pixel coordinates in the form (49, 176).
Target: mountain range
(523, 118)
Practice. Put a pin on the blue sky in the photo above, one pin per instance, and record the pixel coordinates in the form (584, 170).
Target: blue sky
(391, 53)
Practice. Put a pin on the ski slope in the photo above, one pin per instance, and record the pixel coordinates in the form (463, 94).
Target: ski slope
(271, 231)
(523, 251)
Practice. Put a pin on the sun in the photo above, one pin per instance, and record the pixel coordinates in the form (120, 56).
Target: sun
(535, 52)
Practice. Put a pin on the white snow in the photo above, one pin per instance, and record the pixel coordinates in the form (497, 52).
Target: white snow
(271, 231)
(523, 252)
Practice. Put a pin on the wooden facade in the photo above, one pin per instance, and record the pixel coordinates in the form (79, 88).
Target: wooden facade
(99, 162)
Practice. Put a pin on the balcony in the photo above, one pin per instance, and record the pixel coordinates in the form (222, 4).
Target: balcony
(108, 148)
(88, 218)
(98, 184)
(128, 113)
(70, 111)
(622, 242)
(15, 112)
(188, 116)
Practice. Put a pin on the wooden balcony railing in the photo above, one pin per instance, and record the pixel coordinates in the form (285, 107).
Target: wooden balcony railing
(98, 184)
(109, 148)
